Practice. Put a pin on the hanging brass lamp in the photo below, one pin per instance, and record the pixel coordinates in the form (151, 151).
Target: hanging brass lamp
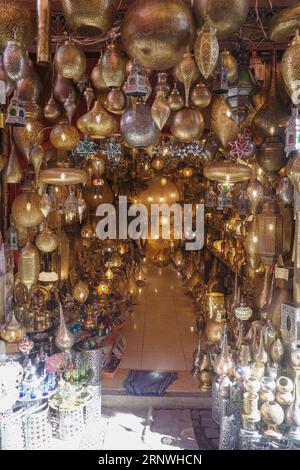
(70, 61)
(187, 125)
(157, 33)
(223, 123)
(29, 266)
(113, 67)
(92, 18)
(26, 207)
(271, 117)
(290, 69)
(207, 50)
(98, 123)
(227, 171)
(226, 16)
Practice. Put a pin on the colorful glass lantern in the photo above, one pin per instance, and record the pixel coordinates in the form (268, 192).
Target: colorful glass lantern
(239, 95)
(292, 133)
(15, 113)
(270, 233)
(136, 84)
(103, 289)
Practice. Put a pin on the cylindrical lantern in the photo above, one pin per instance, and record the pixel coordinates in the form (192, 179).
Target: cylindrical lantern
(270, 233)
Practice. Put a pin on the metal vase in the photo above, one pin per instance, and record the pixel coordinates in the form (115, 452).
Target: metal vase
(64, 339)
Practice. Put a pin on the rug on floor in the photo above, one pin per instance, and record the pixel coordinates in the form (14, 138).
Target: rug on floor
(148, 383)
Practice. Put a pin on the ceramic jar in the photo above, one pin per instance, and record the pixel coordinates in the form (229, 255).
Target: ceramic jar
(284, 394)
(267, 390)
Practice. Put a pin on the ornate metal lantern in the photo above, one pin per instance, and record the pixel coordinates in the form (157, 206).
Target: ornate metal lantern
(270, 233)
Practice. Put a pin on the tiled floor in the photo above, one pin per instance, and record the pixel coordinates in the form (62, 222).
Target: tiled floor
(161, 333)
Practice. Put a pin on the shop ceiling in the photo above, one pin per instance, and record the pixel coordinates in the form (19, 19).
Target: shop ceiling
(251, 29)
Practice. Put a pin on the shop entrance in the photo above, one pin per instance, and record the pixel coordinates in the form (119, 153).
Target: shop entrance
(161, 333)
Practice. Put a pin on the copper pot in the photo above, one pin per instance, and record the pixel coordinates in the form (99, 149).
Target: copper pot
(157, 32)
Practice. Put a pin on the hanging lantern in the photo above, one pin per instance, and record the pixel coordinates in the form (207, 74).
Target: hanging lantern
(226, 16)
(71, 207)
(187, 70)
(62, 176)
(89, 97)
(115, 101)
(210, 198)
(26, 207)
(26, 137)
(29, 266)
(255, 193)
(70, 61)
(290, 69)
(46, 205)
(97, 123)
(223, 123)
(103, 289)
(232, 66)
(135, 85)
(13, 172)
(270, 155)
(15, 113)
(92, 18)
(64, 136)
(239, 95)
(227, 171)
(257, 67)
(270, 233)
(207, 50)
(97, 79)
(187, 125)
(52, 110)
(175, 100)
(268, 121)
(113, 67)
(292, 133)
(221, 80)
(36, 159)
(157, 33)
(201, 96)
(138, 128)
(70, 106)
(46, 241)
(81, 292)
(14, 60)
(160, 110)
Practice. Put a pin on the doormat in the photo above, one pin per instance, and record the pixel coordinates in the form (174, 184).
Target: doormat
(148, 383)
